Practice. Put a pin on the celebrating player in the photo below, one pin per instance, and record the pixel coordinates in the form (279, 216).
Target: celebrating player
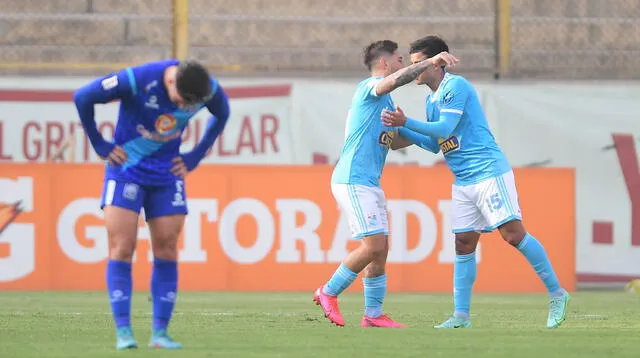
(145, 169)
(484, 192)
(355, 182)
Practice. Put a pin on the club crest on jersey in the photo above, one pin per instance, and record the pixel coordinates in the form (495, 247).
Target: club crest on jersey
(386, 138)
(448, 145)
(165, 124)
(447, 98)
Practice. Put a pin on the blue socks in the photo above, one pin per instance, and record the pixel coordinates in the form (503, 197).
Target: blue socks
(537, 257)
(464, 275)
(164, 289)
(164, 286)
(119, 287)
(341, 279)
(375, 288)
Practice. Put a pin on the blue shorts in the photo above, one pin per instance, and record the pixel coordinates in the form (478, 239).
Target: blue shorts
(157, 201)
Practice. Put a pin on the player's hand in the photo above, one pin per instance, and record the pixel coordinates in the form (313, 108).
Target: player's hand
(179, 169)
(117, 156)
(444, 59)
(393, 119)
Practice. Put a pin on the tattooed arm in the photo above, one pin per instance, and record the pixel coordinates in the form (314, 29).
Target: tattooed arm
(410, 73)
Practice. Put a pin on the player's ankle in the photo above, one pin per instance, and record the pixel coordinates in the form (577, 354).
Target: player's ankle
(557, 293)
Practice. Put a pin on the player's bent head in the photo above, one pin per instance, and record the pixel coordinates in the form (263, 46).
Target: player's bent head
(383, 55)
(429, 46)
(423, 49)
(193, 82)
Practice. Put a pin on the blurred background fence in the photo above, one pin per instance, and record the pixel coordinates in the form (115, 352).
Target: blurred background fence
(568, 39)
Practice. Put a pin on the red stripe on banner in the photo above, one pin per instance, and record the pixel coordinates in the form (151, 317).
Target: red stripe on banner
(259, 91)
(67, 96)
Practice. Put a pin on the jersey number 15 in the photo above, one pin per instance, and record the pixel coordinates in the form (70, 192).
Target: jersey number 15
(494, 202)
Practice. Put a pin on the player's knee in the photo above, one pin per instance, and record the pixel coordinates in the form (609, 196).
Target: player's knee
(374, 269)
(122, 248)
(513, 238)
(466, 243)
(165, 232)
(166, 248)
(513, 232)
(376, 246)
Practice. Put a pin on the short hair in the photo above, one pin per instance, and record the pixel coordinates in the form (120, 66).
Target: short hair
(193, 82)
(428, 45)
(378, 49)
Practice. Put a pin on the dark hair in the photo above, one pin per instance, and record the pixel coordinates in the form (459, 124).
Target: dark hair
(429, 45)
(193, 82)
(377, 49)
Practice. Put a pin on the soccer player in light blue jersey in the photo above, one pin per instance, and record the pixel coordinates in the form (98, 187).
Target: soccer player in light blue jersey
(145, 170)
(355, 182)
(484, 196)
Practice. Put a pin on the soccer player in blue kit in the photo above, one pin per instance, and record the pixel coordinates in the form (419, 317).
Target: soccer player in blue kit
(355, 182)
(484, 196)
(145, 169)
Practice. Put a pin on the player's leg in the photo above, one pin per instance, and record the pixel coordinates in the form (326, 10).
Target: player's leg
(466, 221)
(504, 213)
(355, 201)
(375, 279)
(165, 210)
(374, 283)
(121, 203)
(515, 234)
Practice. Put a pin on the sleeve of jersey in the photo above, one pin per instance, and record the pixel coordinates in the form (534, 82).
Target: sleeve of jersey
(119, 85)
(218, 106)
(422, 141)
(371, 88)
(451, 111)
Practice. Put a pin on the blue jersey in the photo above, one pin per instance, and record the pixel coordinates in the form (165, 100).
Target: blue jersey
(470, 150)
(367, 140)
(150, 125)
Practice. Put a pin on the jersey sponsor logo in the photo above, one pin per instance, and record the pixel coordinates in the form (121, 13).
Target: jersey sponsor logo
(166, 123)
(110, 82)
(152, 102)
(157, 136)
(449, 145)
(178, 197)
(151, 85)
(386, 138)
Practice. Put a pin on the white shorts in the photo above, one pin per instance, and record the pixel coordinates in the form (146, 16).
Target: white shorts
(365, 207)
(486, 205)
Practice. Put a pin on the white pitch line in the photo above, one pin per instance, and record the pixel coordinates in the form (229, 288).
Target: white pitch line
(588, 316)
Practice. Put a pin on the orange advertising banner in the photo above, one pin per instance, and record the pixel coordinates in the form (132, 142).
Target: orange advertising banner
(271, 228)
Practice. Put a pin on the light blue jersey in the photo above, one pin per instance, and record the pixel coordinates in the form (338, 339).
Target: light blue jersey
(367, 140)
(462, 131)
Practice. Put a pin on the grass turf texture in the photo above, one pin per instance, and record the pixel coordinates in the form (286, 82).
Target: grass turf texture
(78, 324)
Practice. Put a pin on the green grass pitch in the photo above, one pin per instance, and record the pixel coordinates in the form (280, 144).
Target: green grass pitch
(78, 324)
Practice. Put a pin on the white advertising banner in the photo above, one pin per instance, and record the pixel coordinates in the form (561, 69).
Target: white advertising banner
(35, 123)
(593, 129)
